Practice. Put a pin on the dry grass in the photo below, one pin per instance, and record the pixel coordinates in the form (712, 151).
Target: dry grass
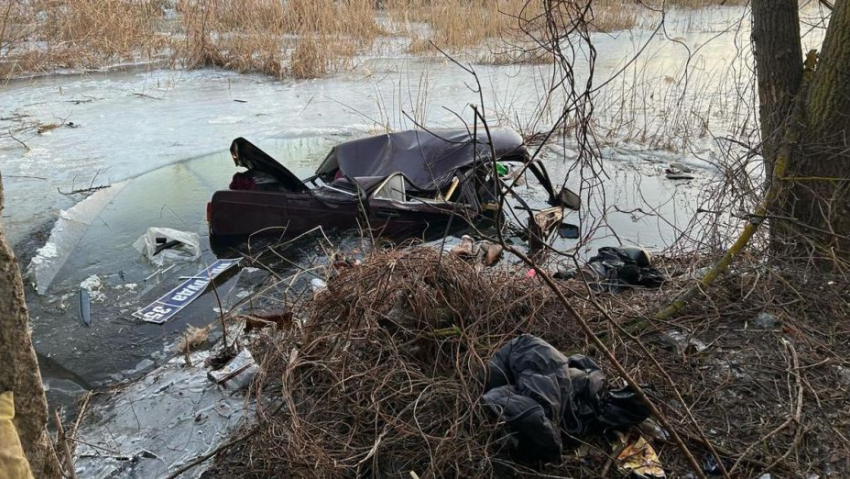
(43, 35)
(294, 38)
(455, 25)
(299, 38)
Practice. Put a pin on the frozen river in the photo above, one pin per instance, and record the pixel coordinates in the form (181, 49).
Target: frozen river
(160, 138)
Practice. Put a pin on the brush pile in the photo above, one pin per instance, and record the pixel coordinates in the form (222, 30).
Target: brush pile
(384, 376)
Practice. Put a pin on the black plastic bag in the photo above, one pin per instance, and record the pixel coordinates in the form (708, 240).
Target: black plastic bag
(541, 394)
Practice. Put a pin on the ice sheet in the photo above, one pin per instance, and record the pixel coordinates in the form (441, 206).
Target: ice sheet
(155, 425)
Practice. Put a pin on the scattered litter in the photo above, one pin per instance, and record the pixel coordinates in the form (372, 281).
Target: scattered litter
(260, 321)
(318, 285)
(237, 373)
(637, 458)
(654, 430)
(565, 272)
(466, 248)
(541, 225)
(682, 167)
(677, 171)
(492, 253)
(178, 298)
(85, 307)
(539, 392)
(712, 468)
(569, 231)
(161, 245)
(682, 343)
(341, 261)
(621, 268)
(192, 338)
(94, 286)
(679, 176)
(159, 271)
(765, 321)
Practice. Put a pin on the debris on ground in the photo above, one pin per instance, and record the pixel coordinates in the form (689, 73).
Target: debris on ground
(492, 253)
(167, 245)
(192, 338)
(637, 458)
(539, 393)
(85, 307)
(569, 231)
(678, 171)
(93, 285)
(237, 373)
(682, 343)
(619, 268)
(765, 320)
(178, 298)
(256, 321)
(466, 248)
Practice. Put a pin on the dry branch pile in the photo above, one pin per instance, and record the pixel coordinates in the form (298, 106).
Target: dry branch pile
(383, 377)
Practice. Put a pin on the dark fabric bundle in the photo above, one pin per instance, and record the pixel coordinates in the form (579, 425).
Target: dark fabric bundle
(620, 268)
(541, 393)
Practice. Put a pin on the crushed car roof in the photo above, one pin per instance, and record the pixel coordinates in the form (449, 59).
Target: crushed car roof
(428, 159)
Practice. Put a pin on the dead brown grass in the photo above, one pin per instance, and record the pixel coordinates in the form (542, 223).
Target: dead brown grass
(294, 38)
(464, 24)
(299, 38)
(43, 35)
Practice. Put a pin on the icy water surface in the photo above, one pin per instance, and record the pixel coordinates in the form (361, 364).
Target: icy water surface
(160, 138)
(116, 345)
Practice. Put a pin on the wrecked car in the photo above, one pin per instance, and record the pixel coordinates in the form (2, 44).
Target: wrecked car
(404, 184)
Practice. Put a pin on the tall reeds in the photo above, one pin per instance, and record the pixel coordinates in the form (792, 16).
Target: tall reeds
(283, 38)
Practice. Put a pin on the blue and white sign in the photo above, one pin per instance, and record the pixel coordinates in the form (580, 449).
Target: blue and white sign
(178, 298)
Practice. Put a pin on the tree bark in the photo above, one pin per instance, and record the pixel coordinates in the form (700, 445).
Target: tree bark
(19, 371)
(779, 69)
(819, 181)
(813, 204)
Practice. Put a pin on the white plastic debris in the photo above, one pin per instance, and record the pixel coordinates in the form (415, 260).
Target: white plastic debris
(238, 373)
(318, 285)
(187, 249)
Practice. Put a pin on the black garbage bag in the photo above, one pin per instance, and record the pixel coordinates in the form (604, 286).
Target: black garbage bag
(540, 394)
(620, 268)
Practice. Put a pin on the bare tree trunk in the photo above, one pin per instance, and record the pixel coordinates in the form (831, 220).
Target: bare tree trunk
(779, 68)
(820, 179)
(814, 198)
(19, 371)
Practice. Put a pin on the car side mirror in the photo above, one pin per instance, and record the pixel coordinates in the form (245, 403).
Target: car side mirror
(568, 199)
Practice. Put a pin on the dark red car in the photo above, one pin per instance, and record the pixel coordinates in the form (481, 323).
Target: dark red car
(402, 184)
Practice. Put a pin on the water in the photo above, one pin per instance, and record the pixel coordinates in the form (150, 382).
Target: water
(116, 346)
(160, 138)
